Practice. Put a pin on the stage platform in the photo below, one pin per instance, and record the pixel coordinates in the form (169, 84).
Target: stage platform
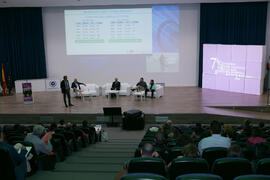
(181, 104)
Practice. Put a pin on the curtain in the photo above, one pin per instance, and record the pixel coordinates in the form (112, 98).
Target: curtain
(21, 43)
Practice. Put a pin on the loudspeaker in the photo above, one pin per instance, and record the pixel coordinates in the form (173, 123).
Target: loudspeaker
(133, 120)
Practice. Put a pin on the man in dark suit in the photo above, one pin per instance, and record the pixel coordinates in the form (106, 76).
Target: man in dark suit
(66, 91)
(116, 85)
(76, 86)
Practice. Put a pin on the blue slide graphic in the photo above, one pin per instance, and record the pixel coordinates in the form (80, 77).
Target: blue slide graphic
(165, 29)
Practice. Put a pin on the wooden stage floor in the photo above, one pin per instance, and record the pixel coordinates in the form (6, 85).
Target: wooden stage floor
(176, 100)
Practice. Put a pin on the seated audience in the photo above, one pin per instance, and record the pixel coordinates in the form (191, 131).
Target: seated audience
(255, 137)
(169, 131)
(197, 131)
(116, 85)
(76, 86)
(191, 150)
(247, 129)
(183, 140)
(228, 131)
(235, 151)
(151, 88)
(35, 139)
(215, 140)
(50, 133)
(18, 159)
(146, 151)
(61, 124)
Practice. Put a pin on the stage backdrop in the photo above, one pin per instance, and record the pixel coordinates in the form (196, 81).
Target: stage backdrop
(91, 66)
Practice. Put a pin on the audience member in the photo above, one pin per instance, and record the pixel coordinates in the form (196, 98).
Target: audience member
(197, 131)
(35, 139)
(227, 131)
(247, 129)
(215, 140)
(50, 133)
(235, 151)
(18, 159)
(255, 137)
(169, 131)
(191, 150)
(62, 124)
(183, 140)
(146, 151)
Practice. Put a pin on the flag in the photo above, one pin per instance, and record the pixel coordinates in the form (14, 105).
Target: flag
(4, 81)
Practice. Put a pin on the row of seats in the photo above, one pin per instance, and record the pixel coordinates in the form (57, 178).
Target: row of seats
(227, 168)
(214, 160)
(195, 176)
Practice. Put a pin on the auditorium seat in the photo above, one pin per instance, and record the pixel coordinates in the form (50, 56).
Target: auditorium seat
(253, 177)
(7, 170)
(142, 176)
(199, 176)
(174, 152)
(213, 153)
(229, 168)
(147, 165)
(182, 166)
(263, 166)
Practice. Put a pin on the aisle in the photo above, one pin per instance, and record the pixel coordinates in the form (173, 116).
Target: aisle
(100, 161)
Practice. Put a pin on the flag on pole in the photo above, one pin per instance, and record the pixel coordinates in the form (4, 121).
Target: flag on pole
(4, 81)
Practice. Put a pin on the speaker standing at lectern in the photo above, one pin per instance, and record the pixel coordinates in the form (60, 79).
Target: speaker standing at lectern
(65, 88)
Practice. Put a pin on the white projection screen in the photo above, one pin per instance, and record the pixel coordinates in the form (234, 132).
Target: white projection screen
(95, 45)
(234, 68)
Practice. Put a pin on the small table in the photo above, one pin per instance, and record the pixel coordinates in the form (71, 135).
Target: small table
(110, 92)
(141, 94)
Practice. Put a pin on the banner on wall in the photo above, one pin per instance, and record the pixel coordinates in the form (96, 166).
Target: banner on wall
(52, 85)
(27, 93)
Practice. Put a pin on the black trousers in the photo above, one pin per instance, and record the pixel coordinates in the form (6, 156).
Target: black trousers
(67, 94)
(152, 92)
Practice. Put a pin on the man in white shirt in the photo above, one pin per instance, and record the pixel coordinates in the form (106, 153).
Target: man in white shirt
(216, 140)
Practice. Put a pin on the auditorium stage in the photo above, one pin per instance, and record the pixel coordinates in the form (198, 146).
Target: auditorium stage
(186, 104)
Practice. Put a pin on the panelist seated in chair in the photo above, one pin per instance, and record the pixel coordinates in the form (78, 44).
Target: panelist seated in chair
(141, 86)
(116, 85)
(151, 88)
(76, 86)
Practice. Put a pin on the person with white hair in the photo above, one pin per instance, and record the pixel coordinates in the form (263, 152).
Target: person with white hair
(35, 139)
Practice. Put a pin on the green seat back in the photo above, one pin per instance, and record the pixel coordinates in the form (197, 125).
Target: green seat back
(147, 165)
(182, 166)
(229, 168)
(201, 176)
